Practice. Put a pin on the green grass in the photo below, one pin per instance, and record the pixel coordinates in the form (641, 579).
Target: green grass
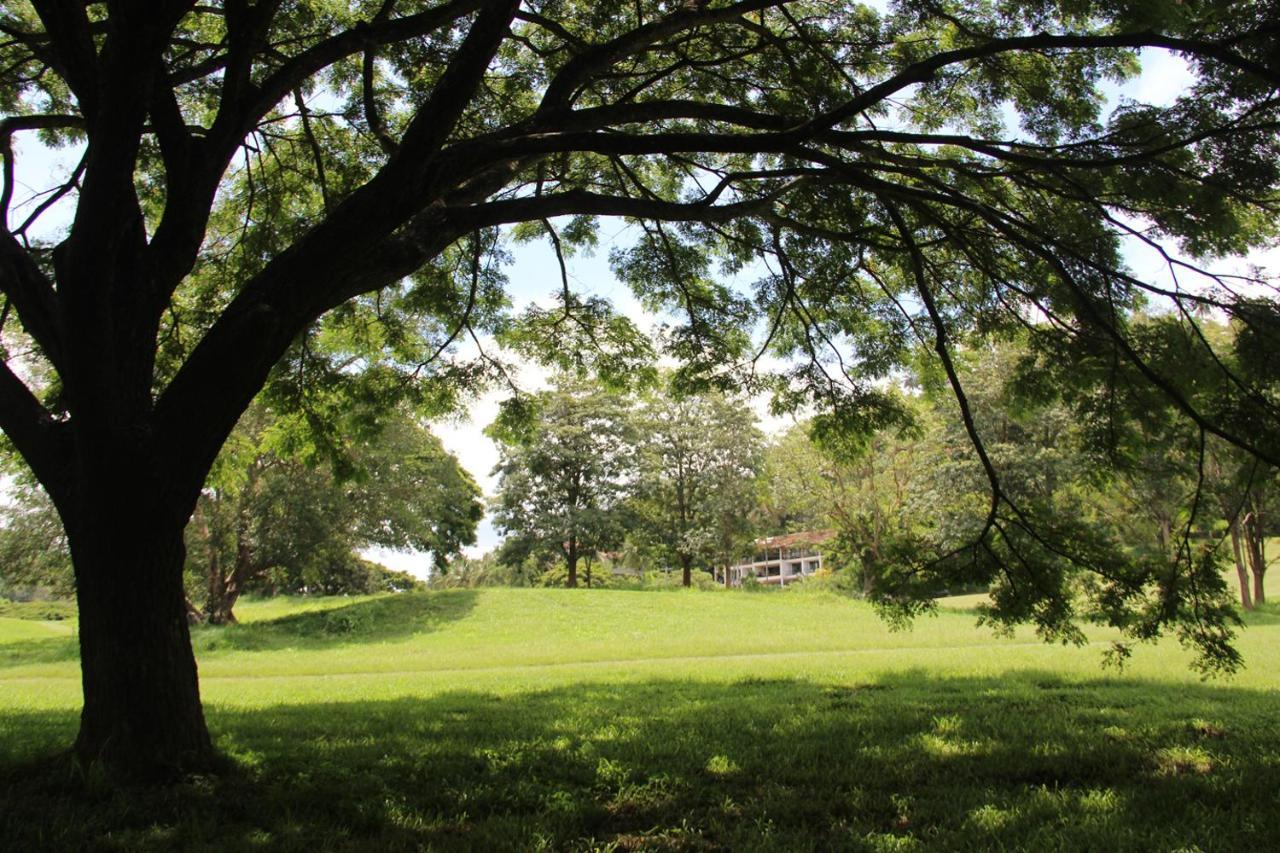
(555, 719)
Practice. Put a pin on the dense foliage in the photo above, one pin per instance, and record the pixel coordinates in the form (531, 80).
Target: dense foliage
(631, 482)
(277, 517)
(905, 500)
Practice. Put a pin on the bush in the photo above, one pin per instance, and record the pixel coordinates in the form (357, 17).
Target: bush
(840, 582)
(344, 622)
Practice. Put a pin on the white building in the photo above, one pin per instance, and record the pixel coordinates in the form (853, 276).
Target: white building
(781, 559)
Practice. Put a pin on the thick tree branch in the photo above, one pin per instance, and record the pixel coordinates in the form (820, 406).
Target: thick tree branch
(33, 296)
(372, 114)
(924, 70)
(238, 116)
(532, 208)
(34, 433)
(71, 42)
(578, 70)
(39, 121)
(437, 118)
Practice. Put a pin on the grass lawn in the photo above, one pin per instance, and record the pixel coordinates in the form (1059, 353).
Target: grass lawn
(587, 719)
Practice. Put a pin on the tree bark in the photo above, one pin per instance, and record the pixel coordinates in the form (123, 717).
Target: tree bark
(222, 589)
(686, 569)
(1255, 549)
(223, 593)
(142, 719)
(229, 586)
(1242, 572)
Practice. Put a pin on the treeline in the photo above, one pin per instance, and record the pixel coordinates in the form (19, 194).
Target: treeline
(285, 510)
(596, 484)
(606, 488)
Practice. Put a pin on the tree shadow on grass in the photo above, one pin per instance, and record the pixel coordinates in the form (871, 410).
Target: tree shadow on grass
(376, 620)
(1028, 761)
(380, 619)
(366, 621)
(1265, 614)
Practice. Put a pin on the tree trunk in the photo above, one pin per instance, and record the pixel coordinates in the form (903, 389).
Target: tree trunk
(686, 569)
(142, 718)
(571, 558)
(1255, 549)
(1242, 572)
(1164, 533)
(223, 591)
(868, 583)
(194, 614)
(223, 594)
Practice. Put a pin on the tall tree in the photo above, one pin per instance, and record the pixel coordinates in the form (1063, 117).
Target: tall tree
(565, 463)
(310, 152)
(698, 460)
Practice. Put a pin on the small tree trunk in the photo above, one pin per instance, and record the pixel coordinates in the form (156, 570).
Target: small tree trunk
(1242, 573)
(571, 558)
(222, 591)
(142, 718)
(194, 614)
(686, 569)
(1254, 549)
(223, 594)
(1164, 534)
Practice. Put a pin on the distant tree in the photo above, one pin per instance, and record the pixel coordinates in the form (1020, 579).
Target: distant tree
(272, 519)
(488, 569)
(566, 457)
(697, 467)
(1245, 494)
(797, 493)
(33, 545)
(871, 489)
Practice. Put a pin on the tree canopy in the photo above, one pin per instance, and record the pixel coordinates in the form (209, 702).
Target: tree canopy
(926, 171)
(563, 474)
(696, 479)
(270, 519)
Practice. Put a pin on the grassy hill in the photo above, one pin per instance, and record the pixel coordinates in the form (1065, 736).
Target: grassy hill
(587, 719)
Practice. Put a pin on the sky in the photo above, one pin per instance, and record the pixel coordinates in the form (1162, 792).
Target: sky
(534, 275)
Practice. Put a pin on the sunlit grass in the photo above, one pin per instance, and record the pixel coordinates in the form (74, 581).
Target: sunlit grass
(519, 719)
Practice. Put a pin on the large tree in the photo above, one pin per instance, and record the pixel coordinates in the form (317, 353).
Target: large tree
(696, 479)
(566, 459)
(268, 510)
(933, 169)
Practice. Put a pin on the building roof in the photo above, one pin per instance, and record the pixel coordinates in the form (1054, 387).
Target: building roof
(791, 540)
